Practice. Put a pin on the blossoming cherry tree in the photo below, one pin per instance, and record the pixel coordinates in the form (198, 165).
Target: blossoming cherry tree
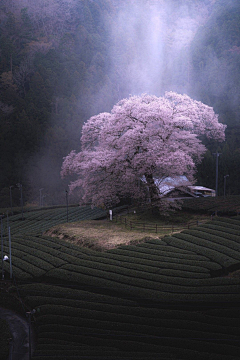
(142, 139)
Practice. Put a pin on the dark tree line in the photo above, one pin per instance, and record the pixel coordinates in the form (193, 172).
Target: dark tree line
(54, 75)
(51, 70)
(216, 79)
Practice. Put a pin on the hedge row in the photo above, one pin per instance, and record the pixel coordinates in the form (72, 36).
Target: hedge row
(222, 254)
(141, 263)
(54, 256)
(72, 293)
(168, 251)
(187, 263)
(220, 320)
(114, 272)
(138, 257)
(144, 269)
(132, 258)
(41, 258)
(46, 257)
(111, 354)
(156, 299)
(230, 240)
(225, 230)
(136, 342)
(221, 244)
(54, 299)
(44, 219)
(145, 290)
(228, 222)
(148, 334)
(200, 247)
(24, 269)
(165, 354)
(75, 316)
(154, 259)
(106, 325)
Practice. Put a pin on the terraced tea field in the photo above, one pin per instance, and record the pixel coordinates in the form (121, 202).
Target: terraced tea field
(169, 298)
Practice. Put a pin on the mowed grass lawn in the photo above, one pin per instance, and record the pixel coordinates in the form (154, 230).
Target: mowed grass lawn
(169, 297)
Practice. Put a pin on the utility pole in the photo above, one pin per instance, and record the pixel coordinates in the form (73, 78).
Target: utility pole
(225, 177)
(40, 199)
(217, 155)
(67, 203)
(21, 198)
(11, 199)
(10, 251)
(2, 247)
(29, 316)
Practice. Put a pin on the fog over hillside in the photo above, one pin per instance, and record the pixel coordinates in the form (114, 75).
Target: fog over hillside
(62, 61)
(149, 42)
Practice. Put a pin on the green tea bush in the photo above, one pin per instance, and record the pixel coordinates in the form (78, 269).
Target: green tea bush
(210, 242)
(157, 298)
(225, 244)
(202, 247)
(112, 265)
(228, 222)
(142, 257)
(223, 229)
(72, 293)
(230, 240)
(171, 252)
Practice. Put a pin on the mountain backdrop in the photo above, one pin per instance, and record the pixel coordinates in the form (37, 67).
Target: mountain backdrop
(62, 61)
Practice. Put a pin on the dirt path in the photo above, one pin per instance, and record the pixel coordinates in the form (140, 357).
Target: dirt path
(19, 328)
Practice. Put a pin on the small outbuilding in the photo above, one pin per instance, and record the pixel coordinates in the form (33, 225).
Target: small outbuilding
(180, 187)
(202, 191)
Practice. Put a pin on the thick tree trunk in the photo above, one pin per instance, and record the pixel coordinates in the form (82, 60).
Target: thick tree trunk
(153, 190)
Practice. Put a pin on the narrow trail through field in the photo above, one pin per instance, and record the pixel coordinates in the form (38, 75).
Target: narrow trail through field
(19, 327)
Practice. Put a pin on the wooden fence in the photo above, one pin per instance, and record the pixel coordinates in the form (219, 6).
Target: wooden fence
(155, 227)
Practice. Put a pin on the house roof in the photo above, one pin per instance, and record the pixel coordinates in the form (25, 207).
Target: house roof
(180, 183)
(168, 184)
(200, 188)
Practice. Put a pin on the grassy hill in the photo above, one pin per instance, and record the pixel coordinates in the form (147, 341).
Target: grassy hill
(169, 298)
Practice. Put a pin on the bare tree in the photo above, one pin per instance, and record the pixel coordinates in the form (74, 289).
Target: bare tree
(22, 74)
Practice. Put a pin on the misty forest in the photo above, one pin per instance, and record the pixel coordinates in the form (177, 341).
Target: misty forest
(64, 61)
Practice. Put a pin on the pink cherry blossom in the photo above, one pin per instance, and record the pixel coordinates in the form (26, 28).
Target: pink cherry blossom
(144, 137)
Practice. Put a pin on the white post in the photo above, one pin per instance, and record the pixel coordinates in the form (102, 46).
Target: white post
(110, 213)
(10, 252)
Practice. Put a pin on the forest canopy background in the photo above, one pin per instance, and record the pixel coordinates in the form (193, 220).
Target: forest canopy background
(64, 61)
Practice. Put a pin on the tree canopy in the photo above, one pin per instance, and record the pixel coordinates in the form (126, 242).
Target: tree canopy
(144, 138)
(63, 61)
